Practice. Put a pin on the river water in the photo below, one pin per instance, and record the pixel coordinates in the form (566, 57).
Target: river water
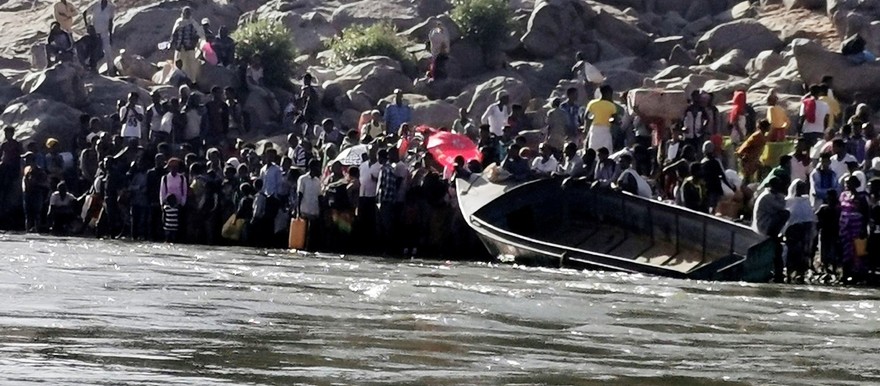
(80, 312)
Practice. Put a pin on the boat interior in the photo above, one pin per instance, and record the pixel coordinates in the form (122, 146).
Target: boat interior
(578, 220)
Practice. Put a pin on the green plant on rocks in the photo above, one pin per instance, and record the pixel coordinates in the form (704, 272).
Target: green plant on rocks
(380, 39)
(486, 22)
(272, 41)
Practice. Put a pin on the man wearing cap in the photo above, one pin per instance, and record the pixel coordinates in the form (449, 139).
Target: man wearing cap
(497, 115)
(209, 33)
(102, 13)
(184, 40)
(397, 114)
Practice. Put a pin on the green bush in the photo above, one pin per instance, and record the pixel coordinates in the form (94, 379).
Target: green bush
(486, 22)
(380, 39)
(272, 42)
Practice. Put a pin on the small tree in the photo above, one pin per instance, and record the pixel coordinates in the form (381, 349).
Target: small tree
(380, 39)
(487, 22)
(272, 42)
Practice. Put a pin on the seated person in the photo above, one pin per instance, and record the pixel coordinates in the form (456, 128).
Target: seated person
(224, 47)
(59, 45)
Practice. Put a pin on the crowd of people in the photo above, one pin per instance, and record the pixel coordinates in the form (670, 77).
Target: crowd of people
(172, 169)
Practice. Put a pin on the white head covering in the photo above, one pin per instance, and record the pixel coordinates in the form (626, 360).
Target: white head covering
(875, 164)
(798, 206)
(234, 162)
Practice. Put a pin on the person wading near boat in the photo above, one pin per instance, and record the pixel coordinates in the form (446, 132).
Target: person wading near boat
(102, 13)
(184, 40)
(600, 113)
(769, 217)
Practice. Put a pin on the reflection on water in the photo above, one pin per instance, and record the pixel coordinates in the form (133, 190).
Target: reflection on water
(80, 311)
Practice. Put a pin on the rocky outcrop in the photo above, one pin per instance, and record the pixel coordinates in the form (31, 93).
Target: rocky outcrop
(365, 12)
(486, 93)
(748, 35)
(134, 65)
(62, 82)
(104, 92)
(36, 118)
(435, 113)
(556, 25)
(814, 62)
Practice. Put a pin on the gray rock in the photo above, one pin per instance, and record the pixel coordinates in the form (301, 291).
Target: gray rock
(485, 94)
(672, 72)
(733, 62)
(660, 48)
(814, 62)
(555, 25)
(621, 33)
(134, 65)
(382, 81)
(435, 113)
(37, 119)
(211, 76)
(747, 34)
(419, 32)
(311, 30)
(62, 82)
(366, 12)
(104, 92)
(681, 56)
(475, 62)
(698, 10)
(765, 63)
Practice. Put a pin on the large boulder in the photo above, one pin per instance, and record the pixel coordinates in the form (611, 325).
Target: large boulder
(814, 62)
(382, 81)
(661, 47)
(419, 32)
(36, 118)
(104, 92)
(555, 25)
(486, 93)
(541, 76)
(765, 63)
(366, 12)
(310, 29)
(733, 62)
(141, 29)
(263, 109)
(746, 34)
(621, 33)
(434, 114)
(211, 76)
(62, 82)
(134, 65)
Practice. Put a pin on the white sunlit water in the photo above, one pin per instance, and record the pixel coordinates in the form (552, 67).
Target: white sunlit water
(89, 312)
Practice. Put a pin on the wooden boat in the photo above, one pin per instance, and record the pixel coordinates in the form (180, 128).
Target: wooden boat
(541, 223)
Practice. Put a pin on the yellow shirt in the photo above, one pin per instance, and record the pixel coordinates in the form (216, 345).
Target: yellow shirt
(64, 15)
(602, 111)
(833, 106)
(778, 118)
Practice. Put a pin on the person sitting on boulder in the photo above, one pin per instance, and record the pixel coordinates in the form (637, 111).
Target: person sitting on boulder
(224, 47)
(854, 49)
(59, 45)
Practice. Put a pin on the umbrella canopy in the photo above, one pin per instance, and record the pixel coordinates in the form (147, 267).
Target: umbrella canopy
(445, 146)
(352, 155)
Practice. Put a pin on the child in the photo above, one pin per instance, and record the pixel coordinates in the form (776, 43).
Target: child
(828, 216)
(171, 214)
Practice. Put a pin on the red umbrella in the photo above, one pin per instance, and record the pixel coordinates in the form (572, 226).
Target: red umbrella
(445, 146)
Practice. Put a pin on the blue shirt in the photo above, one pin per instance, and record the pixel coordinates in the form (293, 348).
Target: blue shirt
(396, 115)
(271, 176)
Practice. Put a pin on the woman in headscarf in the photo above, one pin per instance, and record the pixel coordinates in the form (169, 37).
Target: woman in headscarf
(853, 212)
(737, 118)
(778, 118)
(799, 229)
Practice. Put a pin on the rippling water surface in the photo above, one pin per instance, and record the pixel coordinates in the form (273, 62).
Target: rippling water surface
(77, 311)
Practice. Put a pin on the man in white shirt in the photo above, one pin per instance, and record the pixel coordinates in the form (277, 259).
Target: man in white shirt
(366, 210)
(546, 164)
(271, 174)
(498, 114)
(813, 116)
(102, 13)
(132, 117)
(308, 188)
(840, 158)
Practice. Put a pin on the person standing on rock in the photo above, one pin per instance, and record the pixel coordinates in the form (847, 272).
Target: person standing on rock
(132, 117)
(600, 112)
(102, 13)
(184, 40)
(497, 115)
(64, 13)
(397, 114)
